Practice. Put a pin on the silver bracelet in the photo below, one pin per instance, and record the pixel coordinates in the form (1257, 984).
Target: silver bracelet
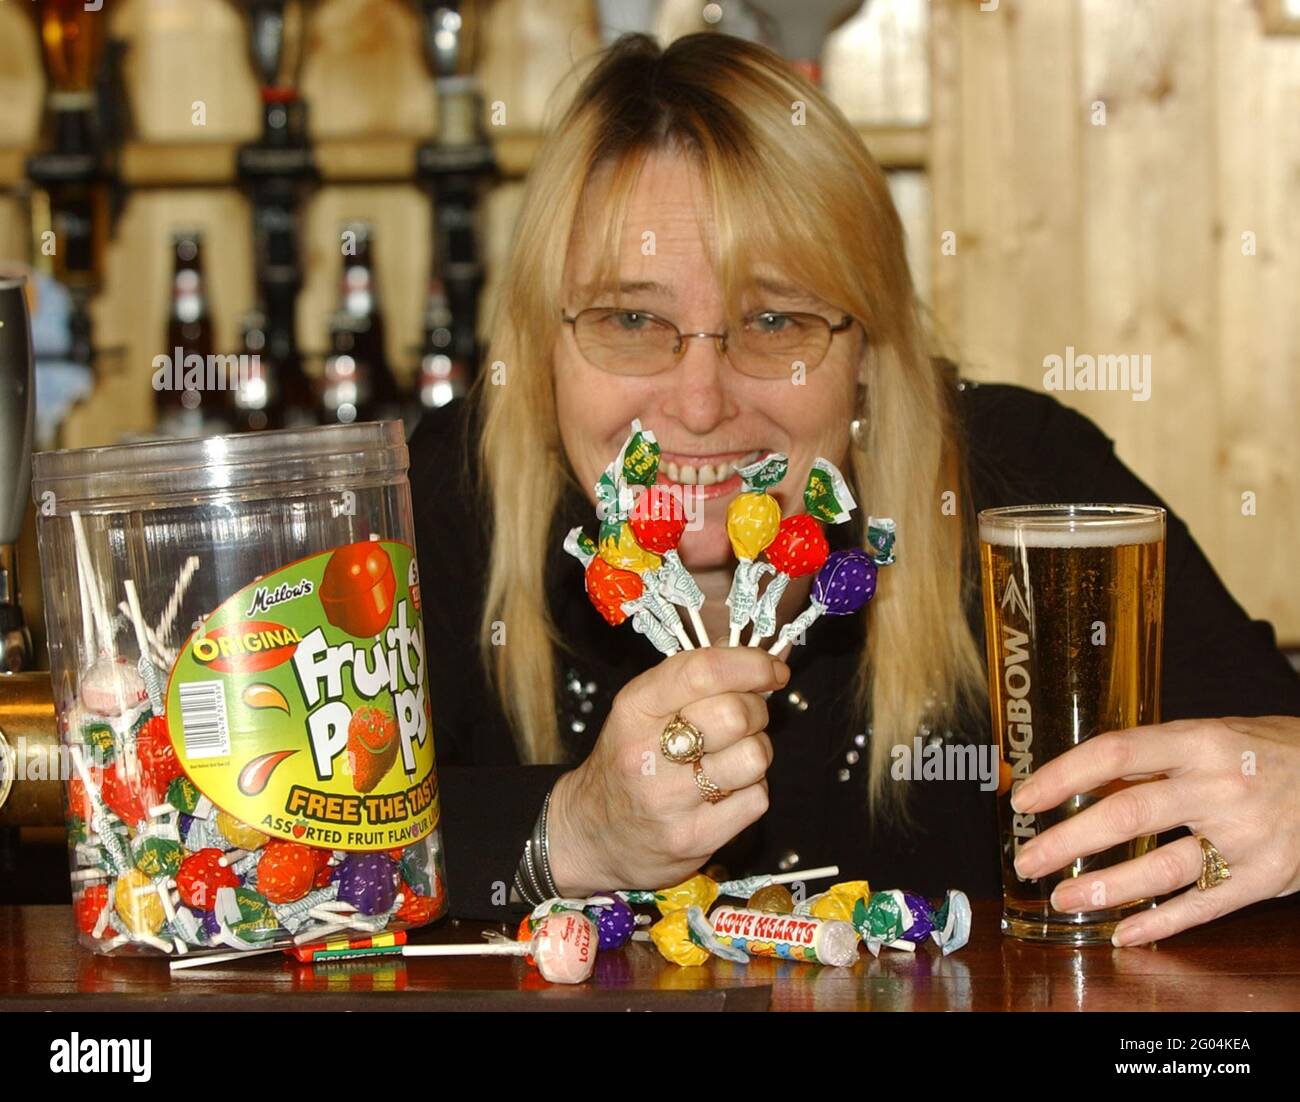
(533, 878)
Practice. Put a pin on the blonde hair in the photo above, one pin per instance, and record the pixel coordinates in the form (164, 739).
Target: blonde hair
(812, 197)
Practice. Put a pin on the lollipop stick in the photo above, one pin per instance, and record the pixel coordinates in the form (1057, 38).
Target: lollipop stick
(87, 624)
(734, 639)
(811, 874)
(219, 958)
(682, 637)
(698, 624)
(778, 648)
(755, 638)
(92, 588)
(484, 949)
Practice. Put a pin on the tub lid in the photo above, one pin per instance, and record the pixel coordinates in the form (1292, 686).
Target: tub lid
(133, 476)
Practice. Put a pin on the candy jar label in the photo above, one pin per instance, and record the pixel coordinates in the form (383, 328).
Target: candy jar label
(300, 705)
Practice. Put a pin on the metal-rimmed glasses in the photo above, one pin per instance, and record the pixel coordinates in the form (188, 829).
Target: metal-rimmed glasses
(769, 344)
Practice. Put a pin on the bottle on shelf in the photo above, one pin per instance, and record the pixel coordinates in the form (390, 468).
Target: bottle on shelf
(182, 408)
(442, 375)
(357, 383)
(272, 391)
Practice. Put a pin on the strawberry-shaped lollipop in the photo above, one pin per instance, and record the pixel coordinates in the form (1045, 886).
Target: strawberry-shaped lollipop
(845, 583)
(607, 587)
(752, 521)
(800, 546)
(658, 520)
(618, 543)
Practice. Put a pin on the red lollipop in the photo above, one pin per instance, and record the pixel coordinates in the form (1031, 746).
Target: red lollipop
(658, 520)
(199, 877)
(158, 761)
(415, 910)
(357, 588)
(286, 871)
(87, 908)
(125, 798)
(800, 546)
(608, 587)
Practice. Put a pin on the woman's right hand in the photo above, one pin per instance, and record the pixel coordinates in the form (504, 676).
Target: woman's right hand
(628, 817)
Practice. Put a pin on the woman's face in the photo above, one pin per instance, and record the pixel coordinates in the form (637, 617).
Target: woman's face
(708, 417)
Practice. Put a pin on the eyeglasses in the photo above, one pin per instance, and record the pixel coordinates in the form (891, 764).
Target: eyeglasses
(768, 345)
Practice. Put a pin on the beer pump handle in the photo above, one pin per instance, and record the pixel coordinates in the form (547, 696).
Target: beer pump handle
(17, 411)
(17, 406)
(800, 27)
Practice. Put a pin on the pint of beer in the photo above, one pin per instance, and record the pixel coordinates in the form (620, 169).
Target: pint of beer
(1073, 610)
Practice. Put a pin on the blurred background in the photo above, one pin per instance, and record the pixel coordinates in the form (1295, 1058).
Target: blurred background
(331, 184)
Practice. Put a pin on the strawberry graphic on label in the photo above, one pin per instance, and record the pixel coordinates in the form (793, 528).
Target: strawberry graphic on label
(372, 746)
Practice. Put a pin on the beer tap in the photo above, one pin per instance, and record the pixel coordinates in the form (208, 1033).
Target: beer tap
(276, 169)
(456, 164)
(17, 411)
(75, 168)
(799, 28)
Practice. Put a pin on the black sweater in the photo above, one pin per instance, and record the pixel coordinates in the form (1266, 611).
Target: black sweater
(1022, 448)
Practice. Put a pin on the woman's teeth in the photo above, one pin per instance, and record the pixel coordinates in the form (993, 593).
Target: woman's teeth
(707, 474)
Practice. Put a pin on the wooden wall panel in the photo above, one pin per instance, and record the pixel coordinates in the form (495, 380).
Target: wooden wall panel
(1258, 353)
(875, 65)
(1124, 238)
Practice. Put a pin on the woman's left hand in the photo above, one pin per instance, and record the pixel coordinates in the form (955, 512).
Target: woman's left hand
(1233, 781)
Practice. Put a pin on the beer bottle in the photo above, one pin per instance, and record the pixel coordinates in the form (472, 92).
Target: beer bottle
(181, 403)
(443, 376)
(358, 384)
(272, 391)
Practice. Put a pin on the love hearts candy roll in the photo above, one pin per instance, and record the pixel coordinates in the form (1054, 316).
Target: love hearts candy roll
(788, 937)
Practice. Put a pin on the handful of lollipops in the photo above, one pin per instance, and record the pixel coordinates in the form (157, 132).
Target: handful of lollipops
(632, 569)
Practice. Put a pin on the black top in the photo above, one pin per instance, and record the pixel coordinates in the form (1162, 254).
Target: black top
(1023, 448)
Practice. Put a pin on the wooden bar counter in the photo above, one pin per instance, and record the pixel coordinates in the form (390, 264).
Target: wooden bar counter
(1247, 961)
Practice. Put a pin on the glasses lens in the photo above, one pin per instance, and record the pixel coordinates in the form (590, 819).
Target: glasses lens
(772, 344)
(628, 342)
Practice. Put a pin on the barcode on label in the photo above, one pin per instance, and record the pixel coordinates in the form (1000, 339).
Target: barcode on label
(203, 720)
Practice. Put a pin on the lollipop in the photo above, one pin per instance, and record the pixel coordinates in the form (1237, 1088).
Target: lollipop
(658, 520)
(563, 945)
(800, 546)
(607, 588)
(701, 891)
(844, 584)
(752, 521)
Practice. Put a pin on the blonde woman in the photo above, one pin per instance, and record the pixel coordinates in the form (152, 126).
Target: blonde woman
(673, 221)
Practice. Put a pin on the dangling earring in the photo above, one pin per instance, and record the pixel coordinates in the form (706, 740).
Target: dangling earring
(858, 426)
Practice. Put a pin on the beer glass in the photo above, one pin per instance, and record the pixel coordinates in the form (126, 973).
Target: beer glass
(1073, 610)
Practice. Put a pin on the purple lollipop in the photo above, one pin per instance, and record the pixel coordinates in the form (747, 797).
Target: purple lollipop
(846, 582)
(922, 918)
(615, 921)
(211, 924)
(368, 881)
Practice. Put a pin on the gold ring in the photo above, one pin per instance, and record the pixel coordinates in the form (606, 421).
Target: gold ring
(1214, 869)
(709, 792)
(682, 742)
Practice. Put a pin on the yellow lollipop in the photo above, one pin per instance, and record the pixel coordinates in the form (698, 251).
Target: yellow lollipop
(753, 518)
(239, 834)
(752, 523)
(839, 899)
(699, 891)
(672, 937)
(623, 552)
(138, 904)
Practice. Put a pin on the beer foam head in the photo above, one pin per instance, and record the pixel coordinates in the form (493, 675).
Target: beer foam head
(1072, 525)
